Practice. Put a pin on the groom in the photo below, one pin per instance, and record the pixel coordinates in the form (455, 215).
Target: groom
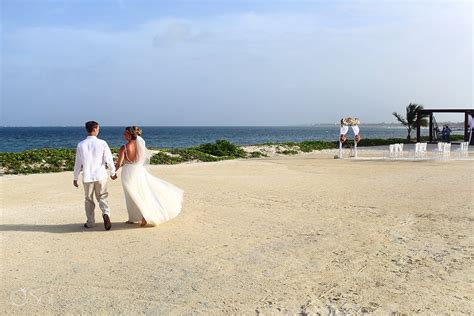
(92, 154)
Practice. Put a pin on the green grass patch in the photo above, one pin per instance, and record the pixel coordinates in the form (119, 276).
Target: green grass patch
(379, 141)
(162, 158)
(190, 154)
(38, 161)
(310, 145)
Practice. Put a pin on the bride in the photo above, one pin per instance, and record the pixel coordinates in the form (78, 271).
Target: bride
(149, 200)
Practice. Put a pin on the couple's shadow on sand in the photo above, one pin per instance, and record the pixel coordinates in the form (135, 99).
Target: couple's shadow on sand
(65, 228)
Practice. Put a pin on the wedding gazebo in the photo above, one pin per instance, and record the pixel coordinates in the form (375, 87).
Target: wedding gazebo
(468, 122)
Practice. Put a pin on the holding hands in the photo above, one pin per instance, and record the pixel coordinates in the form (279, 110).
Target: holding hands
(74, 183)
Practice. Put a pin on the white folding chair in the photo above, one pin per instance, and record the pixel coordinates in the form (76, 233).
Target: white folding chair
(440, 146)
(446, 151)
(399, 150)
(465, 151)
(420, 151)
(417, 150)
(423, 149)
(391, 153)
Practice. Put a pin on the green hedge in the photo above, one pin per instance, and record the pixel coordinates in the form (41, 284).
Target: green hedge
(57, 160)
(38, 161)
(310, 145)
(222, 148)
(163, 158)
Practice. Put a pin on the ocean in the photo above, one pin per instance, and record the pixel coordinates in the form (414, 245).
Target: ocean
(16, 139)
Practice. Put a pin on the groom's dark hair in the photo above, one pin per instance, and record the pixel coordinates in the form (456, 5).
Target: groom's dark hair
(91, 125)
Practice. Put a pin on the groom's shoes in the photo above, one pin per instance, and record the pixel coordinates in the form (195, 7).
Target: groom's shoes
(107, 223)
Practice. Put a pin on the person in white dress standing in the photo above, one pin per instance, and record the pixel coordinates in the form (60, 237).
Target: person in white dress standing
(149, 200)
(92, 154)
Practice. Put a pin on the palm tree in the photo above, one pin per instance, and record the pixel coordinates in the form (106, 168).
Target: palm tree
(410, 120)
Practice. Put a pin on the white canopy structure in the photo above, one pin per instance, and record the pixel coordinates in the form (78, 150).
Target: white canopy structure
(470, 124)
(344, 129)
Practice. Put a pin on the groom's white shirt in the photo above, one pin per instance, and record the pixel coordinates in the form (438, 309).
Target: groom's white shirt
(92, 154)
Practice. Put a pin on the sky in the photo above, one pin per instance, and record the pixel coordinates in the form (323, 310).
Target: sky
(231, 63)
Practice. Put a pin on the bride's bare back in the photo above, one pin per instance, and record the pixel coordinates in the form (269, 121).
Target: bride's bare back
(127, 154)
(131, 151)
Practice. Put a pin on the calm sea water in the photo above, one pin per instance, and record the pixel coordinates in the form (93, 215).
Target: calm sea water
(15, 139)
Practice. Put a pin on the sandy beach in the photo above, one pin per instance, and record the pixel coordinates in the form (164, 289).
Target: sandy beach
(294, 234)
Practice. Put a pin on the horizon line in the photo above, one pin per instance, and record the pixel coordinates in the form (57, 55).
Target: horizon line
(289, 125)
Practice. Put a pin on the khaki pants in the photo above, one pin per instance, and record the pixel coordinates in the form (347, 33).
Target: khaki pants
(99, 189)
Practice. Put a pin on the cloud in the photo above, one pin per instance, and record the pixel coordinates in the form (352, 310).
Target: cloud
(247, 68)
(178, 31)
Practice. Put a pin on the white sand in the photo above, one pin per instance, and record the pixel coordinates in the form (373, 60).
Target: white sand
(283, 235)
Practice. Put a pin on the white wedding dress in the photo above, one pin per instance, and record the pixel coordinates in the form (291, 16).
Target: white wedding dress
(147, 196)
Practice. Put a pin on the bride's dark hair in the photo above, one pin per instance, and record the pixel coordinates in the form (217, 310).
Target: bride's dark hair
(134, 131)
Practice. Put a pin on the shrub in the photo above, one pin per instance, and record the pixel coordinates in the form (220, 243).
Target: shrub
(222, 148)
(162, 158)
(189, 154)
(379, 142)
(310, 145)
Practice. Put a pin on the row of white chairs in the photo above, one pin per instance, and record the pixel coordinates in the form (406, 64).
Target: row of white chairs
(420, 150)
(443, 151)
(395, 151)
